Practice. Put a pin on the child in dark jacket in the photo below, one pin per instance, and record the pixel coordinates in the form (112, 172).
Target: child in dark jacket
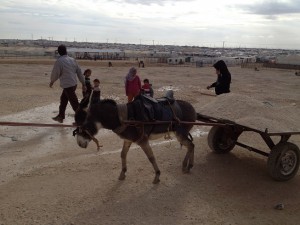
(87, 73)
(96, 91)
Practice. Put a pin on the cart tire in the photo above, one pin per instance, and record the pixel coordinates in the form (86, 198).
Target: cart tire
(219, 140)
(283, 161)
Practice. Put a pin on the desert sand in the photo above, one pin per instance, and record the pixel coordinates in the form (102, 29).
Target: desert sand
(46, 178)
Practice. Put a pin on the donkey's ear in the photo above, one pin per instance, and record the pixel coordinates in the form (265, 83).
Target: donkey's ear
(80, 116)
(85, 101)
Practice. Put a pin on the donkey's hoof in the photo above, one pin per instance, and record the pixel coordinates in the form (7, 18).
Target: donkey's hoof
(185, 170)
(156, 181)
(122, 176)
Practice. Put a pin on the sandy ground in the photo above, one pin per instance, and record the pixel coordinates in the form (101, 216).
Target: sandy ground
(45, 178)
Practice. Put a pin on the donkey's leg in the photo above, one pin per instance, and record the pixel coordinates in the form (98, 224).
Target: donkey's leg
(144, 144)
(125, 149)
(188, 161)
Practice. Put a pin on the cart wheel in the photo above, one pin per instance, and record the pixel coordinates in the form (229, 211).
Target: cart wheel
(220, 139)
(283, 161)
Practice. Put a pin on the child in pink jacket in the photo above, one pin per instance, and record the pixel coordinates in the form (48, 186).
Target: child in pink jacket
(132, 84)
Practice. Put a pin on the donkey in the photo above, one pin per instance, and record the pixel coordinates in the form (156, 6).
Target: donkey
(108, 114)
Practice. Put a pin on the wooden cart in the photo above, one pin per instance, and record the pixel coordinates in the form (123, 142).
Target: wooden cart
(283, 158)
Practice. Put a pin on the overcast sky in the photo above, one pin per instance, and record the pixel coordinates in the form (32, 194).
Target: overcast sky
(211, 23)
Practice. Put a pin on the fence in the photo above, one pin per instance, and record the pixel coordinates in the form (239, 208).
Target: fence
(271, 65)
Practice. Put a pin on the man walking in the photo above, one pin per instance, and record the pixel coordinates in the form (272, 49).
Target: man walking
(67, 71)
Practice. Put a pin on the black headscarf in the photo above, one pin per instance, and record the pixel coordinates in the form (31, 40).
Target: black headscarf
(221, 66)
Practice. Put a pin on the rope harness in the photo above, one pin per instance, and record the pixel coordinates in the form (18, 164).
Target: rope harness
(95, 140)
(20, 124)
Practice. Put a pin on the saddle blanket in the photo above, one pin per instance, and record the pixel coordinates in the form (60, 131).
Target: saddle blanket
(145, 108)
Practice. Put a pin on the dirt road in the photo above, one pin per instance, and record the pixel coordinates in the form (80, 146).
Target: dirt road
(45, 178)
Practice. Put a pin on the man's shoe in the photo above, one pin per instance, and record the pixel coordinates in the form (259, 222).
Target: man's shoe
(58, 119)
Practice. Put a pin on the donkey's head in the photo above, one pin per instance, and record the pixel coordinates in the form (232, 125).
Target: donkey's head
(83, 138)
(91, 118)
(85, 133)
(86, 129)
